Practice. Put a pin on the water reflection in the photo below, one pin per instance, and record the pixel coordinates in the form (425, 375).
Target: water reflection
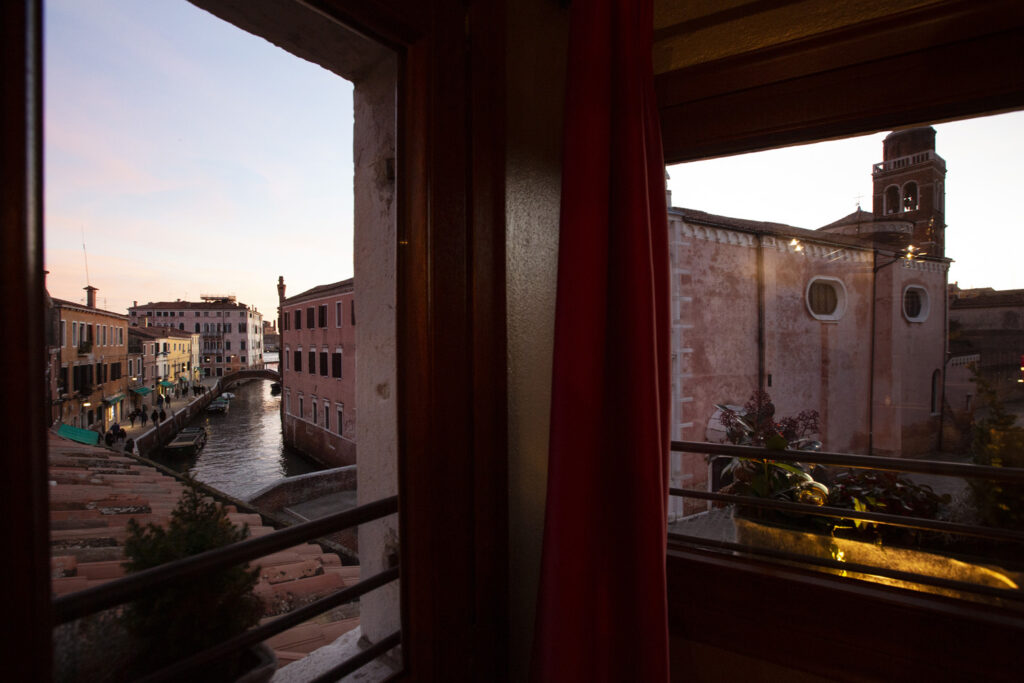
(245, 450)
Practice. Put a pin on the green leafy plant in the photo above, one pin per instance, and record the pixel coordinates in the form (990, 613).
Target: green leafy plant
(997, 442)
(765, 478)
(184, 617)
(877, 491)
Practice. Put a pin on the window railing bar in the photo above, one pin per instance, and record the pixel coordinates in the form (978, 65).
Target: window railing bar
(1009, 475)
(363, 658)
(1002, 593)
(866, 516)
(90, 600)
(272, 628)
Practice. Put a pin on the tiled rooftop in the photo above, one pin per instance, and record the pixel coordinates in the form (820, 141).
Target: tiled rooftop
(95, 491)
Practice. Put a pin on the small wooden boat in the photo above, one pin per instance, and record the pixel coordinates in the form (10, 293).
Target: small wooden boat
(189, 441)
(218, 405)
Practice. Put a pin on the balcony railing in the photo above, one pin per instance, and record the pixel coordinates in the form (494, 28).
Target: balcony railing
(84, 347)
(1010, 541)
(92, 600)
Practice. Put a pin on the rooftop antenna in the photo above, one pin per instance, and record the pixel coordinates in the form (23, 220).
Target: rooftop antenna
(85, 255)
(858, 198)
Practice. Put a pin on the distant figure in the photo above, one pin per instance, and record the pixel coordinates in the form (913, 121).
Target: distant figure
(155, 417)
(129, 446)
(109, 439)
(160, 400)
(131, 417)
(143, 417)
(163, 415)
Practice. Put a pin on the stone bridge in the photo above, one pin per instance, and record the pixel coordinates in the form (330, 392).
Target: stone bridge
(231, 378)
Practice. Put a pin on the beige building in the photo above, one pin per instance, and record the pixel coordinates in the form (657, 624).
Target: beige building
(92, 380)
(168, 361)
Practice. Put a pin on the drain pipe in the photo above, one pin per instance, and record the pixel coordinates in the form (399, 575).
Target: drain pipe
(760, 315)
(871, 359)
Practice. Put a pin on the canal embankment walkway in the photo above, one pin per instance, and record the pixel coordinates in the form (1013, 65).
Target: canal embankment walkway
(149, 436)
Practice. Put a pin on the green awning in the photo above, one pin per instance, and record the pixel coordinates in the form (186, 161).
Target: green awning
(86, 436)
(142, 391)
(116, 398)
(165, 383)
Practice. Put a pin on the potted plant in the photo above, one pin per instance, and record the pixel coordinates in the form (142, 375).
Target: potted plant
(185, 617)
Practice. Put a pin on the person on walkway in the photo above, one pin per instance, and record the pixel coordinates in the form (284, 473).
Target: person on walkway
(160, 400)
(155, 417)
(131, 417)
(129, 446)
(109, 439)
(163, 415)
(142, 416)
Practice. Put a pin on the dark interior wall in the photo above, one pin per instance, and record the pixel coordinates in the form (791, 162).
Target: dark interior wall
(535, 72)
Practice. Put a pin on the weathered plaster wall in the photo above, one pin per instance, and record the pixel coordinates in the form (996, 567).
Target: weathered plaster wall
(375, 297)
(325, 447)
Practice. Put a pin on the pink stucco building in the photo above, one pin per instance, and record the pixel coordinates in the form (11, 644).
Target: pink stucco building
(318, 368)
(848, 320)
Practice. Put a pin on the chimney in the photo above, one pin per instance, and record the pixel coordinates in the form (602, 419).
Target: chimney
(280, 287)
(135, 304)
(90, 296)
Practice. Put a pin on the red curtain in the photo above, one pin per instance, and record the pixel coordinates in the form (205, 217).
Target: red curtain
(602, 613)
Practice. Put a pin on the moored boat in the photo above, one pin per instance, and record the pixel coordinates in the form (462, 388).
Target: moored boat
(218, 405)
(189, 441)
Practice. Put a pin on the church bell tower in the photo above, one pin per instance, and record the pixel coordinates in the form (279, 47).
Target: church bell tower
(910, 185)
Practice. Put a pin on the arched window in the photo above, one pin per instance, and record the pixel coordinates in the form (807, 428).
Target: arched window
(910, 196)
(892, 199)
(915, 303)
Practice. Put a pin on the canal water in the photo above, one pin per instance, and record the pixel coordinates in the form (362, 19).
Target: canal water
(245, 449)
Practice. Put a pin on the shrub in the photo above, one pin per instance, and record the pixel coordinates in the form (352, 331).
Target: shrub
(185, 617)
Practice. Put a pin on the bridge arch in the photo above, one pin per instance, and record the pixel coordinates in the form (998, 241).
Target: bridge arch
(231, 378)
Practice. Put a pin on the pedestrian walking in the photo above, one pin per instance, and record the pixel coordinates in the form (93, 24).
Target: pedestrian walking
(163, 415)
(109, 439)
(155, 417)
(131, 417)
(129, 446)
(142, 416)
(160, 401)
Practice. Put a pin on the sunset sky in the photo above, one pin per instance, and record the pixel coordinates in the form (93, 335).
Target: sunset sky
(195, 158)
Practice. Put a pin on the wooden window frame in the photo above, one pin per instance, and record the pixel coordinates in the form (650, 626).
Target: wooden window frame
(963, 60)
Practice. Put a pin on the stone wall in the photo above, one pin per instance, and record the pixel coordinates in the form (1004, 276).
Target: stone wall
(304, 487)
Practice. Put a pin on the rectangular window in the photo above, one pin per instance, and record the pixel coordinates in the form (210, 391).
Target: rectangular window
(323, 363)
(327, 415)
(63, 333)
(337, 314)
(241, 345)
(74, 333)
(352, 309)
(312, 363)
(336, 364)
(298, 318)
(243, 359)
(321, 315)
(120, 336)
(298, 361)
(309, 317)
(315, 413)
(220, 359)
(300, 407)
(284, 322)
(227, 327)
(227, 345)
(287, 358)
(288, 402)
(88, 330)
(341, 416)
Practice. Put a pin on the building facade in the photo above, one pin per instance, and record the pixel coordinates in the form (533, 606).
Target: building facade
(91, 383)
(846, 320)
(318, 367)
(231, 332)
(168, 362)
